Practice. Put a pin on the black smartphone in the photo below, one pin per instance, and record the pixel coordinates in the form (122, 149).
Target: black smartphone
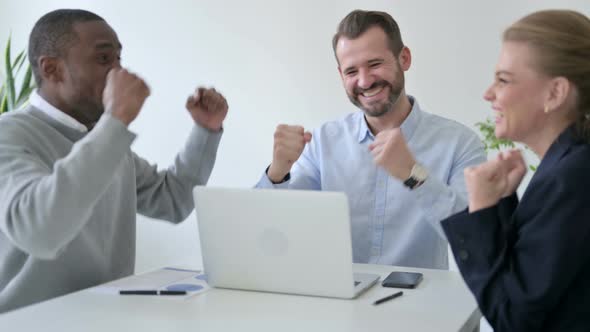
(398, 279)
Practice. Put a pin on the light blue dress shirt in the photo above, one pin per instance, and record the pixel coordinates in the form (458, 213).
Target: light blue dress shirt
(390, 223)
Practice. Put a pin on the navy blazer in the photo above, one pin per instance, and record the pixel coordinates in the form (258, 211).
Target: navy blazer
(528, 262)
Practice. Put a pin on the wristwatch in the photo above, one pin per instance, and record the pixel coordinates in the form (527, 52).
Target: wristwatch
(418, 175)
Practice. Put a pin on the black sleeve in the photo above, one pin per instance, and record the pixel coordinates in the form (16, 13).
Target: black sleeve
(519, 265)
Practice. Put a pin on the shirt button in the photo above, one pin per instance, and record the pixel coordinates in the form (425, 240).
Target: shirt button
(463, 255)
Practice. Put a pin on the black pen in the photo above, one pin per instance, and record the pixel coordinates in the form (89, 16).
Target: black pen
(151, 292)
(387, 298)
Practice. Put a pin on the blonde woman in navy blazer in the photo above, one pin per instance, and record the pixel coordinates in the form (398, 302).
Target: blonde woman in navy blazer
(528, 262)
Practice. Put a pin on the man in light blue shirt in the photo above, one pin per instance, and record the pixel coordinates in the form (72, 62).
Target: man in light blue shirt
(401, 168)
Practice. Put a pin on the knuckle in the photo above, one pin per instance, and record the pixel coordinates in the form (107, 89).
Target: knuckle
(279, 135)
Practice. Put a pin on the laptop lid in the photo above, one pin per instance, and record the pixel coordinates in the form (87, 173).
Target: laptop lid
(286, 241)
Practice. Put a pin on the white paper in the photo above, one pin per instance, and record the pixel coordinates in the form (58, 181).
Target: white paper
(168, 278)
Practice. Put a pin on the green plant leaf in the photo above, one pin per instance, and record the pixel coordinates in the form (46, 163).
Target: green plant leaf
(491, 142)
(9, 99)
(10, 93)
(4, 105)
(18, 63)
(26, 87)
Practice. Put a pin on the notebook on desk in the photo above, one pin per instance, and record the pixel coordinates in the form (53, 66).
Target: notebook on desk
(284, 241)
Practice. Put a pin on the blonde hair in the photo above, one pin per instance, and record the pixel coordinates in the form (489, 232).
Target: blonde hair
(561, 41)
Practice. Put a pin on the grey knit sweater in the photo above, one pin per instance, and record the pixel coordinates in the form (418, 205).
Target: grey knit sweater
(68, 202)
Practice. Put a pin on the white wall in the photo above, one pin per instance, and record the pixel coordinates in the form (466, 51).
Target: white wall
(274, 63)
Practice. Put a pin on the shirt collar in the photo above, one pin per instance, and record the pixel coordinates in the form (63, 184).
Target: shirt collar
(43, 105)
(363, 128)
(408, 127)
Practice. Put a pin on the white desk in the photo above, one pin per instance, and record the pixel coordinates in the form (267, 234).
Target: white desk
(441, 302)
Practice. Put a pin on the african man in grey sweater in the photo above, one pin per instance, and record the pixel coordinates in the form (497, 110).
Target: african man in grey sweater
(70, 186)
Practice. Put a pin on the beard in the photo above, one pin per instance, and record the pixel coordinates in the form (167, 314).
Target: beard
(380, 108)
(86, 109)
(83, 100)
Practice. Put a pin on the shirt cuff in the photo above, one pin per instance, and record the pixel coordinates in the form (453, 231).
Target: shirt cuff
(285, 179)
(265, 181)
(475, 238)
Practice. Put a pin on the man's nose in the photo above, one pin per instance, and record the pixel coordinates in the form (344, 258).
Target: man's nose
(117, 63)
(365, 79)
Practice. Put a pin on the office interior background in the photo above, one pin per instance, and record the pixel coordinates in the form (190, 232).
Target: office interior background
(274, 63)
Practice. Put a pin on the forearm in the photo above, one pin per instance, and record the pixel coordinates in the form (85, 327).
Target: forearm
(438, 201)
(304, 174)
(45, 206)
(510, 297)
(477, 242)
(168, 194)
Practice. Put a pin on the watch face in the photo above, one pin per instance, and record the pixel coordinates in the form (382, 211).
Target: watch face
(417, 176)
(411, 182)
(419, 172)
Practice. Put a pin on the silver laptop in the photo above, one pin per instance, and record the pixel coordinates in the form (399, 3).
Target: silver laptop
(284, 241)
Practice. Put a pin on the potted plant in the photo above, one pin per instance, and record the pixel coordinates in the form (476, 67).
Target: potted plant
(491, 142)
(12, 98)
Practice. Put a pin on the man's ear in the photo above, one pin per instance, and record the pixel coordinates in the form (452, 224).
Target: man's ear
(557, 94)
(405, 58)
(50, 68)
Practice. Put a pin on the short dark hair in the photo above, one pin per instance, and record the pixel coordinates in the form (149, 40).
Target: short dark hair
(359, 21)
(54, 33)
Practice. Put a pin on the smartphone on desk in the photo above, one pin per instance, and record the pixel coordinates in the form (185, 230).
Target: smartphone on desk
(398, 279)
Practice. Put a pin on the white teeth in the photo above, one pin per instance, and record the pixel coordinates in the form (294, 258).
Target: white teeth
(372, 92)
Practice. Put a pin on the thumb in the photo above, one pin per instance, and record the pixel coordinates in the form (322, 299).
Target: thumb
(307, 137)
(192, 100)
(469, 170)
(196, 96)
(110, 77)
(113, 71)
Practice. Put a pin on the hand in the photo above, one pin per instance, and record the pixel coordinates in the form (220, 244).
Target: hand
(208, 108)
(391, 152)
(289, 142)
(487, 183)
(124, 95)
(516, 169)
